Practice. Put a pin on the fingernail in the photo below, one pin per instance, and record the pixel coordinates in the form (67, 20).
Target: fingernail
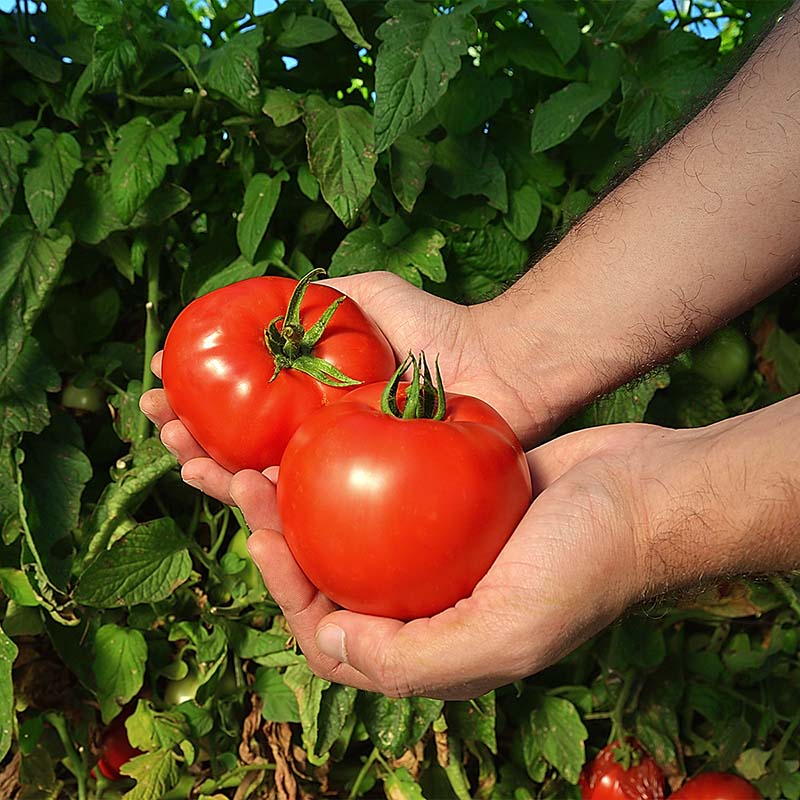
(330, 640)
(170, 448)
(194, 484)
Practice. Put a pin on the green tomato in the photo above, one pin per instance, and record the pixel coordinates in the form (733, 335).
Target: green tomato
(90, 399)
(250, 574)
(723, 359)
(180, 691)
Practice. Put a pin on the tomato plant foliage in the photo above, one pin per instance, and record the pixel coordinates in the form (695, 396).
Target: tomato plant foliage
(151, 152)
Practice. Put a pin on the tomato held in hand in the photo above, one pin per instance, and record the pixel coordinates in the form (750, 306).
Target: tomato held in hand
(245, 364)
(717, 786)
(605, 778)
(400, 512)
(115, 748)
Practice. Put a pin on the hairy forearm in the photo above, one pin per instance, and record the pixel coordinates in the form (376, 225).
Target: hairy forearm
(722, 500)
(706, 228)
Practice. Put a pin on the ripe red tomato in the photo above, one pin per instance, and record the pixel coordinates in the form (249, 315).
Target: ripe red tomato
(115, 748)
(606, 779)
(717, 786)
(222, 353)
(401, 517)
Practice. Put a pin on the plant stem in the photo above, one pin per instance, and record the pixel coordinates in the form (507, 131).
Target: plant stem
(788, 593)
(373, 756)
(618, 712)
(76, 765)
(152, 330)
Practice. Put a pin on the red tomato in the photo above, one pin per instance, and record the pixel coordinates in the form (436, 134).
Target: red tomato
(717, 786)
(606, 779)
(218, 368)
(401, 517)
(115, 747)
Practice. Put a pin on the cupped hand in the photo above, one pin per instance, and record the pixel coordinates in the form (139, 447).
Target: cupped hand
(412, 320)
(571, 567)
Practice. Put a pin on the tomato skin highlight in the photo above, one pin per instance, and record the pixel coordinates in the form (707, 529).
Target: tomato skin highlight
(606, 779)
(717, 786)
(217, 368)
(400, 518)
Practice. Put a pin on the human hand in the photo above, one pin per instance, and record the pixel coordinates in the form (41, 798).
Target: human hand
(571, 567)
(412, 320)
(621, 514)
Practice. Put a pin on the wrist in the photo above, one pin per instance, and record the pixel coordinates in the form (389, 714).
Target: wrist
(720, 501)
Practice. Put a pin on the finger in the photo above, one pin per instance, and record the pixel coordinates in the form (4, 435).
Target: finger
(209, 477)
(177, 439)
(459, 654)
(154, 406)
(155, 364)
(255, 495)
(302, 604)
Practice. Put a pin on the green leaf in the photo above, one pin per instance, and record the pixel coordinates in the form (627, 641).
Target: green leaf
(364, 249)
(140, 163)
(341, 154)
(148, 729)
(410, 160)
(305, 30)
(13, 152)
(127, 416)
(560, 27)
(525, 208)
(474, 720)
(120, 497)
(239, 269)
(346, 23)
(308, 689)
(400, 785)
(308, 184)
(233, 71)
(420, 52)
(113, 55)
(783, 353)
(464, 166)
(30, 265)
(145, 566)
(752, 763)
(532, 51)
(16, 587)
(37, 61)
(56, 159)
(282, 106)
(54, 475)
(472, 99)
(396, 724)
(667, 77)
(278, 701)
(260, 200)
(557, 726)
(335, 708)
(8, 652)
(98, 12)
(626, 404)
(118, 664)
(555, 120)
(155, 774)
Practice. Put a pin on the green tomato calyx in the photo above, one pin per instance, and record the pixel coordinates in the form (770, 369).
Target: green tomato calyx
(292, 345)
(424, 399)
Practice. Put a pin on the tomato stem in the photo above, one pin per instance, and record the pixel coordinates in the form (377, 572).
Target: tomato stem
(423, 398)
(291, 345)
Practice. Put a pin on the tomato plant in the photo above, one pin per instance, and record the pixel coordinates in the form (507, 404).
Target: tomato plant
(723, 359)
(717, 786)
(183, 689)
(115, 749)
(400, 511)
(245, 364)
(607, 778)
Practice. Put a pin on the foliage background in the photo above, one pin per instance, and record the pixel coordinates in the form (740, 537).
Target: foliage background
(151, 152)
